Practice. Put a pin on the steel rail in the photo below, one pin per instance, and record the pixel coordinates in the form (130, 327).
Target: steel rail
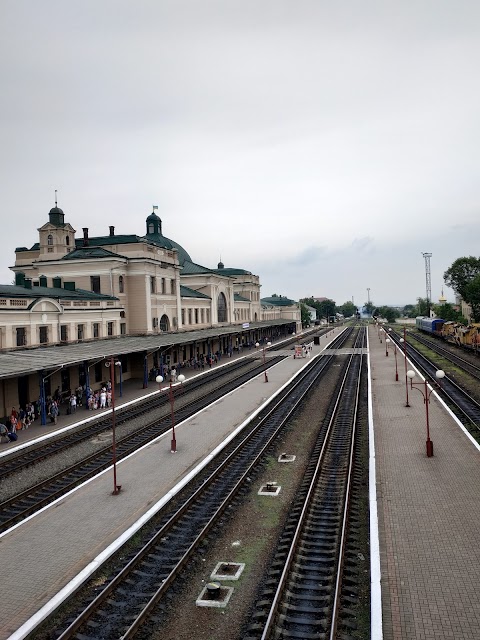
(30, 500)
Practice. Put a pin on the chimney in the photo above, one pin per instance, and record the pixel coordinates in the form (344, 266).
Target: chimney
(19, 278)
(112, 230)
(85, 236)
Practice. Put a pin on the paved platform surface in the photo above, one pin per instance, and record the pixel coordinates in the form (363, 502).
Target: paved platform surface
(429, 512)
(42, 555)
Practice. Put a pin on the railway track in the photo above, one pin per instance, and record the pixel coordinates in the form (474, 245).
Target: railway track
(34, 498)
(462, 403)
(454, 358)
(305, 591)
(39, 451)
(130, 597)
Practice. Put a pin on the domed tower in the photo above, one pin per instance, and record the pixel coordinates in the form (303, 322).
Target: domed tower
(442, 299)
(57, 237)
(154, 234)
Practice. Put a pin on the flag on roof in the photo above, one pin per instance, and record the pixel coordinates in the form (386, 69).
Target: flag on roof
(155, 207)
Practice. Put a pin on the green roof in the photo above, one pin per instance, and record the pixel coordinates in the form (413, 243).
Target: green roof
(191, 268)
(85, 253)
(16, 291)
(278, 301)
(186, 292)
(238, 298)
(233, 272)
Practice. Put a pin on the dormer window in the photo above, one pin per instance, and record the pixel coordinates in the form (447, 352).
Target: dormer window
(67, 240)
(50, 239)
(151, 228)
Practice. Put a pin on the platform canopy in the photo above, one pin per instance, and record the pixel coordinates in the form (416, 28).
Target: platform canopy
(27, 361)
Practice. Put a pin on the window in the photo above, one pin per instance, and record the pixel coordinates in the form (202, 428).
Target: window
(164, 323)
(63, 333)
(164, 286)
(208, 315)
(189, 316)
(67, 240)
(222, 308)
(172, 286)
(80, 331)
(110, 328)
(196, 316)
(202, 316)
(123, 328)
(120, 284)
(96, 329)
(95, 284)
(50, 239)
(154, 323)
(21, 337)
(43, 335)
(183, 316)
(153, 285)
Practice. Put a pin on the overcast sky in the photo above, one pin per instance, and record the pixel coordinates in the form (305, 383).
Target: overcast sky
(321, 145)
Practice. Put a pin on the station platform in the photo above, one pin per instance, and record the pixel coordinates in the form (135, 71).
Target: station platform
(132, 391)
(45, 557)
(428, 511)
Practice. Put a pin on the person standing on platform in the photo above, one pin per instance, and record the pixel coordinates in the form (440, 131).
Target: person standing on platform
(103, 398)
(73, 403)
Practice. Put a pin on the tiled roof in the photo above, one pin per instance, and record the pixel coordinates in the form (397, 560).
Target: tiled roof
(238, 298)
(16, 291)
(85, 253)
(186, 292)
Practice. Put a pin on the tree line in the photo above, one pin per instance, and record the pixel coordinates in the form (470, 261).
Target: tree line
(463, 276)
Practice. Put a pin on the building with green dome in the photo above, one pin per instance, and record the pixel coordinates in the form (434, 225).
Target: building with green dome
(142, 285)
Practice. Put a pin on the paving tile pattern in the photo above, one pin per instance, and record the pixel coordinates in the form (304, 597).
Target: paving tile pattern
(429, 512)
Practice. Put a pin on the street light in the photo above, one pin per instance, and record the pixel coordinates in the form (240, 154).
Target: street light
(110, 364)
(257, 344)
(396, 363)
(426, 392)
(404, 341)
(181, 379)
(387, 342)
(380, 334)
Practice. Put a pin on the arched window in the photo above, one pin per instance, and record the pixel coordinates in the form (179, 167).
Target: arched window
(222, 308)
(50, 239)
(67, 240)
(151, 227)
(120, 284)
(164, 323)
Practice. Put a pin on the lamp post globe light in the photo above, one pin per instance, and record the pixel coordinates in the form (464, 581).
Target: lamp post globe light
(387, 344)
(111, 364)
(426, 392)
(171, 396)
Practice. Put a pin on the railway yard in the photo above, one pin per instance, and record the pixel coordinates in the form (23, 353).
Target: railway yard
(300, 503)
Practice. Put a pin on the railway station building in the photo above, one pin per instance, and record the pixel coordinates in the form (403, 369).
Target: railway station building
(73, 291)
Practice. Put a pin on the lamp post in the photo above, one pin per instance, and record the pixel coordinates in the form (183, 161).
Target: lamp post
(396, 363)
(171, 396)
(426, 392)
(111, 365)
(119, 364)
(380, 334)
(387, 343)
(404, 342)
(263, 350)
